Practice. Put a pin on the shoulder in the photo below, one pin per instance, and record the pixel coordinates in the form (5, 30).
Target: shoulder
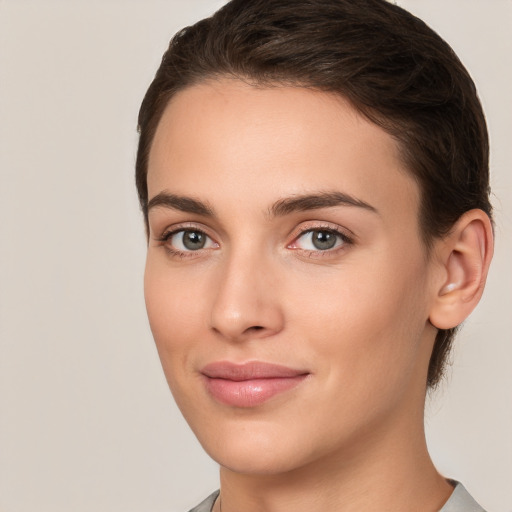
(461, 501)
(207, 504)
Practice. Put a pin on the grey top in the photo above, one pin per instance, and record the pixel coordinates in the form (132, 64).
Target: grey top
(460, 501)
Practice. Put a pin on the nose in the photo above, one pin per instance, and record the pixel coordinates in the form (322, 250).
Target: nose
(246, 304)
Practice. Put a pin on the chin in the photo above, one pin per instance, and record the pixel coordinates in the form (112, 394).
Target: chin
(257, 462)
(257, 448)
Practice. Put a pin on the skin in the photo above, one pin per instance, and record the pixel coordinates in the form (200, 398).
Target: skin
(356, 317)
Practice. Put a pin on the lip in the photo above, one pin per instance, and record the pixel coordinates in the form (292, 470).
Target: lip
(249, 384)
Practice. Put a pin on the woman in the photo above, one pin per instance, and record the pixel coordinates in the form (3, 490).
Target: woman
(314, 180)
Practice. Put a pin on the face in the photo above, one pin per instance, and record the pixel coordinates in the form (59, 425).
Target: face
(286, 284)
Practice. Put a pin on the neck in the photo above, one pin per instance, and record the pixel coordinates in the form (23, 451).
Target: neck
(388, 471)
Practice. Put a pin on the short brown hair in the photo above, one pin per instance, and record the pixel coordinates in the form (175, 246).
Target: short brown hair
(389, 64)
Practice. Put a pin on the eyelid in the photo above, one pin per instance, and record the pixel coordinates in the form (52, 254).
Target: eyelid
(346, 235)
(164, 238)
(308, 226)
(168, 231)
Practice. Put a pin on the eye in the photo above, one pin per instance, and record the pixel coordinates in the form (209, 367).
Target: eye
(319, 240)
(187, 240)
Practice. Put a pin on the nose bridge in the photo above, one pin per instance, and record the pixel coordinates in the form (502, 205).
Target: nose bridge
(246, 304)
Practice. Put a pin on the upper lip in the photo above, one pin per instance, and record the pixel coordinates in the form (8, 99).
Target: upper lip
(249, 371)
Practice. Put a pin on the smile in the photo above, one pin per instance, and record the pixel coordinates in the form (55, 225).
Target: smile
(249, 384)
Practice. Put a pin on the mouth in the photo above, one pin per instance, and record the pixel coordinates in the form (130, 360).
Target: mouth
(249, 384)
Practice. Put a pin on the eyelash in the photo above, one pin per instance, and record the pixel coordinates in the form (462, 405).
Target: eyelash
(343, 241)
(167, 235)
(342, 237)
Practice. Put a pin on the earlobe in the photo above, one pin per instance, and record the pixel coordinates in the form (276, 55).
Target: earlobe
(465, 254)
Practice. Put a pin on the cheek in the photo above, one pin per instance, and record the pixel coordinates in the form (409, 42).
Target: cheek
(176, 317)
(365, 326)
(174, 312)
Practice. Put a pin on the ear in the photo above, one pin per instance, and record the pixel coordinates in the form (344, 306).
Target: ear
(464, 256)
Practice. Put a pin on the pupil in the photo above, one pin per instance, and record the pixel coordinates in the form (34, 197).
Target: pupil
(193, 240)
(324, 240)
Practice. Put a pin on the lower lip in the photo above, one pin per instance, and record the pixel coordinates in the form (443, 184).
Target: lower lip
(250, 393)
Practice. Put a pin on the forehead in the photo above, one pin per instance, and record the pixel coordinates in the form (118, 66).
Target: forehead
(224, 138)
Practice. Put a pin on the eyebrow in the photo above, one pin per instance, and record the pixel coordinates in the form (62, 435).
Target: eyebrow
(181, 203)
(280, 208)
(317, 201)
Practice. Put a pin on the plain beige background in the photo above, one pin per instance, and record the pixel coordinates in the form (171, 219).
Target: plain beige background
(86, 420)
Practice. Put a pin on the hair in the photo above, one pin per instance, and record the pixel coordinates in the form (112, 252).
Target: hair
(387, 63)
